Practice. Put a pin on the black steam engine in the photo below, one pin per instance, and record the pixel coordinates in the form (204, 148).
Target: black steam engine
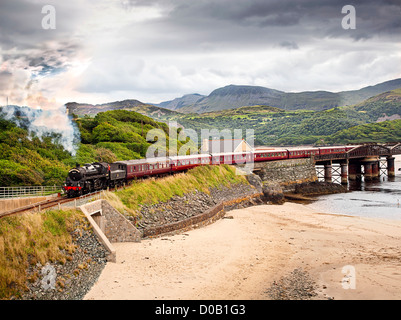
(92, 177)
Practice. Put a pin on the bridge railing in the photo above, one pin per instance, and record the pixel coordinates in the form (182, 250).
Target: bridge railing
(28, 191)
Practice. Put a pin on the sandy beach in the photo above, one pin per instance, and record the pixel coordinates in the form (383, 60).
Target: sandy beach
(240, 258)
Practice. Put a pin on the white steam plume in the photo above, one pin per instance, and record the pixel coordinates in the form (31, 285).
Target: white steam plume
(44, 121)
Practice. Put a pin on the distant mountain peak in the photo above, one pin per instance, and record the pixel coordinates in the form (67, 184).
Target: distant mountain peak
(235, 96)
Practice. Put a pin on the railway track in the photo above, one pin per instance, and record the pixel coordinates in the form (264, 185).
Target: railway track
(37, 206)
(47, 204)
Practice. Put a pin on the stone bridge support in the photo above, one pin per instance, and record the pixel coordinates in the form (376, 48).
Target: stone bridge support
(391, 166)
(344, 172)
(354, 171)
(328, 174)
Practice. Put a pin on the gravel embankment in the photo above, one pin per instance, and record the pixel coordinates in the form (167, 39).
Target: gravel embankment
(191, 204)
(73, 279)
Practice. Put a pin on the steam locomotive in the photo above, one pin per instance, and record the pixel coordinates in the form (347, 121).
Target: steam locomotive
(100, 175)
(92, 177)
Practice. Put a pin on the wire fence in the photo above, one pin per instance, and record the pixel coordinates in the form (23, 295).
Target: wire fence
(29, 191)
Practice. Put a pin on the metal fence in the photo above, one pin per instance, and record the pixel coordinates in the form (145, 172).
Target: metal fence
(77, 202)
(29, 191)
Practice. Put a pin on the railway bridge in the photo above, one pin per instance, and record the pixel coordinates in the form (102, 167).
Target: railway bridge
(367, 160)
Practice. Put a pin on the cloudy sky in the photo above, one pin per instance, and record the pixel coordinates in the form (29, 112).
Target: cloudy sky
(156, 50)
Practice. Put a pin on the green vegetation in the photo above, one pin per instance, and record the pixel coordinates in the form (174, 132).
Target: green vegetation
(273, 126)
(387, 131)
(121, 134)
(28, 239)
(152, 191)
(109, 136)
(28, 160)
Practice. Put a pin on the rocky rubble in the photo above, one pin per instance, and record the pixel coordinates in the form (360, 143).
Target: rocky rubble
(73, 279)
(319, 188)
(298, 285)
(191, 204)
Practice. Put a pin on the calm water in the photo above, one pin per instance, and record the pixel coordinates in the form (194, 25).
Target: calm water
(367, 199)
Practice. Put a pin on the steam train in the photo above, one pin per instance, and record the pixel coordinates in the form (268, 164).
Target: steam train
(101, 175)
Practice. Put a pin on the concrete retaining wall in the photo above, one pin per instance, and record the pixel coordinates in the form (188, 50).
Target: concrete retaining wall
(109, 225)
(12, 204)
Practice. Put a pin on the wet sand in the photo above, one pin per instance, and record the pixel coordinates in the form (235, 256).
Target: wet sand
(240, 258)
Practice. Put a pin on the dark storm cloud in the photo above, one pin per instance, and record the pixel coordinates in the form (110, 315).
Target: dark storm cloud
(21, 22)
(27, 51)
(22, 36)
(181, 46)
(316, 17)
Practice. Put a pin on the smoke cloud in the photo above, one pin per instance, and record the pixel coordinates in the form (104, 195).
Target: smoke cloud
(42, 122)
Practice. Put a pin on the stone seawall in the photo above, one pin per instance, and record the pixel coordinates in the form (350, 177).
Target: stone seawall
(200, 220)
(180, 208)
(287, 173)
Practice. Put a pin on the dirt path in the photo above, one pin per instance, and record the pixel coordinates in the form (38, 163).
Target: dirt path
(239, 258)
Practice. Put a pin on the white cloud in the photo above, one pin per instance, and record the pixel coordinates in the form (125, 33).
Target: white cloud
(157, 50)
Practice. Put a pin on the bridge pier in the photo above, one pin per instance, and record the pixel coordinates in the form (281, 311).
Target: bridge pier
(376, 170)
(344, 172)
(354, 171)
(368, 171)
(391, 166)
(328, 172)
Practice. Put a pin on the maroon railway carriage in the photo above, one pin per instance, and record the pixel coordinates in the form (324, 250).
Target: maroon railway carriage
(181, 163)
(146, 167)
(231, 158)
(270, 154)
(302, 152)
(332, 150)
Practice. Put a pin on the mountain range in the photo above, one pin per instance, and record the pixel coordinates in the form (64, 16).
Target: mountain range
(235, 96)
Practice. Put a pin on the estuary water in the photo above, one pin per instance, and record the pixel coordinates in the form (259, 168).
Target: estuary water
(377, 199)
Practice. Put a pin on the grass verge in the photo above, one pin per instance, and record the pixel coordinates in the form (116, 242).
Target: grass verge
(152, 191)
(32, 238)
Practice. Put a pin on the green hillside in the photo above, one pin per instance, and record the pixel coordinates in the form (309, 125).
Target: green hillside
(274, 126)
(28, 160)
(85, 109)
(109, 136)
(387, 131)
